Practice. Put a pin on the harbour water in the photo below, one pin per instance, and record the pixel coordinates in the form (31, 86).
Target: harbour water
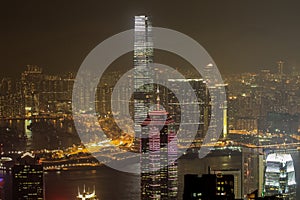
(114, 185)
(109, 184)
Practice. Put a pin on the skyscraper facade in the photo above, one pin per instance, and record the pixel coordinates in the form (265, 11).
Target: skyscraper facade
(154, 131)
(280, 178)
(215, 98)
(143, 69)
(159, 177)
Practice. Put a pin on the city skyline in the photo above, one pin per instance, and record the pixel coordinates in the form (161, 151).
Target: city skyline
(177, 132)
(278, 112)
(245, 131)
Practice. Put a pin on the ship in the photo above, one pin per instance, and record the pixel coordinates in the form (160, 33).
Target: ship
(87, 195)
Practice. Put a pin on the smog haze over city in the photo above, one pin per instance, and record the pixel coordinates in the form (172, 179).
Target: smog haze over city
(117, 100)
(241, 36)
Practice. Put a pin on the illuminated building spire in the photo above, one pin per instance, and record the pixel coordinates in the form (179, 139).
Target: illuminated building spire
(157, 98)
(280, 67)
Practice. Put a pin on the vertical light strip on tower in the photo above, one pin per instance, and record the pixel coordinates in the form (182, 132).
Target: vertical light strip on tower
(143, 61)
(225, 128)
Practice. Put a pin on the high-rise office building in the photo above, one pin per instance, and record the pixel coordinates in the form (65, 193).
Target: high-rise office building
(27, 179)
(198, 87)
(154, 131)
(237, 175)
(216, 91)
(159, 177)
(280, 178)
(31, 79)
(143, 71)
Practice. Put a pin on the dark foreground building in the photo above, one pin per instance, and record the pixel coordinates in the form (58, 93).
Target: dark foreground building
(208, 187)
(27, 179)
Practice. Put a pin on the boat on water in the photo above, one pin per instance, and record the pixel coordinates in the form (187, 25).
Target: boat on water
(87, 194)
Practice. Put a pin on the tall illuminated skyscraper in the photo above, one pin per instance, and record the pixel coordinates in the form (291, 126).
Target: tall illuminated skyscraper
(143, 69)
(154, 132)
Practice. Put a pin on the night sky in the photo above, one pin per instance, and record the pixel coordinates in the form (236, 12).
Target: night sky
(239, 35)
